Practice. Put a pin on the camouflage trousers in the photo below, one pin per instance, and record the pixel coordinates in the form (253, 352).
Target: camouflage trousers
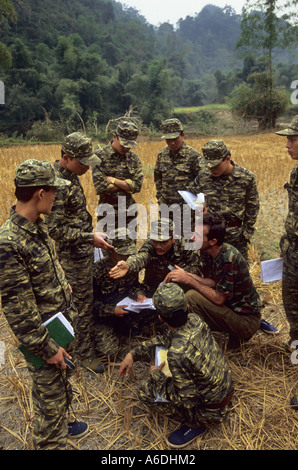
(78, 272)
(290, 289)
(236, 239)
(191, 416)
(51, 397)
(222, 318)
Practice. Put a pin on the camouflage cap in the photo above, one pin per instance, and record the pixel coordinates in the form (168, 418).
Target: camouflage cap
(122, 241)
(171, 129)
(162, 230)
(34, 173)
(77, 145)
(127, 133)
(292, 129)
(214, 152)
(168, 299)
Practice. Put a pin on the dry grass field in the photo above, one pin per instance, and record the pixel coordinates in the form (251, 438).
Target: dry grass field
(264, 375)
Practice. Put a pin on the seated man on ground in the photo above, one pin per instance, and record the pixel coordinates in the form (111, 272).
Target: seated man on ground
(199, 388)
(158, 255)
(110, 320)
(225, 297)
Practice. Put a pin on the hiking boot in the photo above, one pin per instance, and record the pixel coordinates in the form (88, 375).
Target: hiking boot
(268, 328)
(77, 429)
(93, 364)
(184, 436)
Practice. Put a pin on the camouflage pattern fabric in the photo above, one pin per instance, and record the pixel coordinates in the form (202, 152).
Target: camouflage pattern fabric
(79, 146)
(33, 289)
(70, 225)
(127, 133)
(171, 128)
(107, 328)
(231, 275)
(214, 152)
(289, 248)
(175, 172)
(157, 267)
(200, 374)
(235, 197)
(126, 167)
(35, 173)
(292, 129)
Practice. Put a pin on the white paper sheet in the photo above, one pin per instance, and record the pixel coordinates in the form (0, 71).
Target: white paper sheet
(271, 270)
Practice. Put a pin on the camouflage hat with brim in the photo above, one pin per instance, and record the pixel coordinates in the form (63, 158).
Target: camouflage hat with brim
(77, 145)
(127, 133)
(162, 230)
(214, 152)
(292, 129)
(122, 241)
(169, 299)
(36, 173)
(171, 129)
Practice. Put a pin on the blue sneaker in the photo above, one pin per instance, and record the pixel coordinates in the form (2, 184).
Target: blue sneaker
(268, 328)
(184, 436)
(77, 429)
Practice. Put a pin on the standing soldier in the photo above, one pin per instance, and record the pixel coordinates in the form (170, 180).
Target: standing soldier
(70, 225)
(118, 175)
(176, 167)
(289, 241)
(231, 191)
(33, 289)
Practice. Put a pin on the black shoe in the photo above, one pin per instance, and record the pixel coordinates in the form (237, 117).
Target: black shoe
(77, 429)
(184, 436)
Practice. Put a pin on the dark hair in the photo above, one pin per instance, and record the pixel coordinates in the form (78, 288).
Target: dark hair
(177, 318)
(25, 193)
(217, 227)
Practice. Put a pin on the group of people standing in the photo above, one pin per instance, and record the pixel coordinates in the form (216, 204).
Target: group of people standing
(47, 266)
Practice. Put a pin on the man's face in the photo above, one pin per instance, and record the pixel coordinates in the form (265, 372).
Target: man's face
(48, 198)
(74, 166)
(175, 144)
(201, 237)
(162, 248)
(118, 147)
(292, 146)
(221, 169)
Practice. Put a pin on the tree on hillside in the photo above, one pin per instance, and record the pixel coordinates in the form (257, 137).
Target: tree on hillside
(264, 32)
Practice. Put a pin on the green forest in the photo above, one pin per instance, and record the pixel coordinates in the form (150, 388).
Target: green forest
(66, 63)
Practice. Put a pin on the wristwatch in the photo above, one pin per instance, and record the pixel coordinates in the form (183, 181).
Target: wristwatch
(113, 180)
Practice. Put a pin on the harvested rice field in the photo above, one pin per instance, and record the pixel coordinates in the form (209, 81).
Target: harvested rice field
(264, 373)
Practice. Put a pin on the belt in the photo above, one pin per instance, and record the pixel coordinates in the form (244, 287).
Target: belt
(233, 223)
(224, 402)
(109, 200)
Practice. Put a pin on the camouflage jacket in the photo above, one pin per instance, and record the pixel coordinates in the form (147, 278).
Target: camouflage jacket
(70, 223)
(200, 373)
(234, 196)
(108, 292)
(157, 267)
(291, 224)
(33, 285)
(125, 167)
(174, 172)
(231, 275)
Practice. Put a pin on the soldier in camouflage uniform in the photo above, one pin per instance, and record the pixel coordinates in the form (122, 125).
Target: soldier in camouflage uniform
(230, 190)
(112, 321)
(176, 167)
(33, 289)
(158, 255)
(225, 297)
(200, 386)
(289, 241)
(70, 225)
(118, 174)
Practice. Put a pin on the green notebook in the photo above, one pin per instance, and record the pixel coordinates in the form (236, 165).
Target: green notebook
(60, 330)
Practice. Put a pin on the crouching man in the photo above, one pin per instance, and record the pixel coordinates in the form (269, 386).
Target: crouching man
(199, 388)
